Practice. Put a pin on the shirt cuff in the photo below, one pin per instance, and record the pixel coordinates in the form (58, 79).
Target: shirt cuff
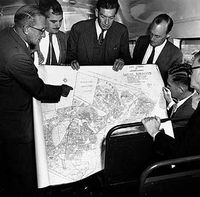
(170, 105)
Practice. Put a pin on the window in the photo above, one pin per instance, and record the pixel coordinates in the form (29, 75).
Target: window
(189, 47)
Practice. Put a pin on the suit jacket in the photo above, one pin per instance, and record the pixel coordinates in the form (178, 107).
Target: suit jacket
(187, 145)
(81, 43)
(169, 55)
(183, 113)
(19, 82)
(62, 43)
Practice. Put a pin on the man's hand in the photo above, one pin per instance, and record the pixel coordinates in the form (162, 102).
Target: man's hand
(75, 65)
(118, 64)
(65, 90)
(167, 95)
(152, 125)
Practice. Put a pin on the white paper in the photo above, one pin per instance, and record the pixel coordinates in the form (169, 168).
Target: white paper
(73, 129)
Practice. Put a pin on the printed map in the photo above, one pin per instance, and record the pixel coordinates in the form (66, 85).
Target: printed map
(75, 128)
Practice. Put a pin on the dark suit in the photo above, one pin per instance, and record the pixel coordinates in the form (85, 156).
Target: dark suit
(62, 43)
(169, 55)
(80, 45)
(183, 113)
(188, 145)
(19, 83)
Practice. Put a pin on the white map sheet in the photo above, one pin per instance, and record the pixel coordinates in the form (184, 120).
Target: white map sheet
(69, 134)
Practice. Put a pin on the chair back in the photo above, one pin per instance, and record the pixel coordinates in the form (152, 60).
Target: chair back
(173, 177)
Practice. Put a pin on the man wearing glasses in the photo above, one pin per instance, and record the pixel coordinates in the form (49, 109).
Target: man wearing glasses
(190, 143)
(100, 41)
(19, 83)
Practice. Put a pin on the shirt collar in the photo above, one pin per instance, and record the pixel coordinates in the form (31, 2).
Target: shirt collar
(179, 103)
(160, 47)
(98, 28)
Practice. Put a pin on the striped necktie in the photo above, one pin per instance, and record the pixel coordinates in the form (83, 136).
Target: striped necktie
(51, 58)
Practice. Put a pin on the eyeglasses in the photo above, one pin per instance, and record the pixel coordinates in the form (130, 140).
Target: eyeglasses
(193, 68)
(41, 30)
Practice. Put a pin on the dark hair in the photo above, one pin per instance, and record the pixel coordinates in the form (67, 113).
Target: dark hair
(51, 4)
(181, 74)
(26, 14)
(163, 17)
(108, 4)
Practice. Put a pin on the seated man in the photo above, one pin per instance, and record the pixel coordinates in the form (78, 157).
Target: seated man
(189, 144)
(178, 89)
(100, 41)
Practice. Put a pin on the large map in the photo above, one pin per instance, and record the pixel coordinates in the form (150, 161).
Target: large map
(69, 134)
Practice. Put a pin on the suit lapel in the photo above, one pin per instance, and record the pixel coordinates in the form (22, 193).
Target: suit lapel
(183, 109)
(61, 47)
(89, 36)
(164, 53)
(110, 40)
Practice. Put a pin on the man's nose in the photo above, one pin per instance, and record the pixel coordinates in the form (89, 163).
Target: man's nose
(107, 21)
(57, 24)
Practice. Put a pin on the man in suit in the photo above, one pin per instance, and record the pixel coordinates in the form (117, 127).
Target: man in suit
(19, 83)
(53, 47)
(189, 144)
(155, 47)
(100, 41)
(179, 95)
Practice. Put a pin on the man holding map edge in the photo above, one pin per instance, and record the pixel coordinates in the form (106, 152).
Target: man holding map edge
(100, 41)
(189, 144)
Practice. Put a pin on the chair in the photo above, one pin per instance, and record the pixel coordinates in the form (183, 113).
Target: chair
(128, 152)
(175, 177)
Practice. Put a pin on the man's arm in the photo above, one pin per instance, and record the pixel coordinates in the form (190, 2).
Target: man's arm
(72, 45)
(25, 73)
(165, 145)
(124, 48)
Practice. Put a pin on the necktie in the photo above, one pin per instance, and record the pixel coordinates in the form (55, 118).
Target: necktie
(51, 58)
(100, 40)
(150, 60)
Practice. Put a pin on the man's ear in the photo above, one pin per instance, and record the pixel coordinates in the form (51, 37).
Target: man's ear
(26, 29)
(96, 12)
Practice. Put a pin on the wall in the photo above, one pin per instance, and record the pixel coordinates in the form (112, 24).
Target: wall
(135, 14)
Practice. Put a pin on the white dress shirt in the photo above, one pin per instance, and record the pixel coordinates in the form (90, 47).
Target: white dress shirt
(44, 46)
(158, 50)
(98, 30)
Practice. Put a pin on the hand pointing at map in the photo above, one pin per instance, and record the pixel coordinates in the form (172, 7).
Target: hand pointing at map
(65, 90)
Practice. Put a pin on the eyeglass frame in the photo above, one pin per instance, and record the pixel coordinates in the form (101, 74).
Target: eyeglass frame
(193, 68)
(40, 30)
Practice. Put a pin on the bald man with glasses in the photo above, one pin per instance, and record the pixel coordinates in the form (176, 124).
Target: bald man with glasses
(190, 143)
(19, 83)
